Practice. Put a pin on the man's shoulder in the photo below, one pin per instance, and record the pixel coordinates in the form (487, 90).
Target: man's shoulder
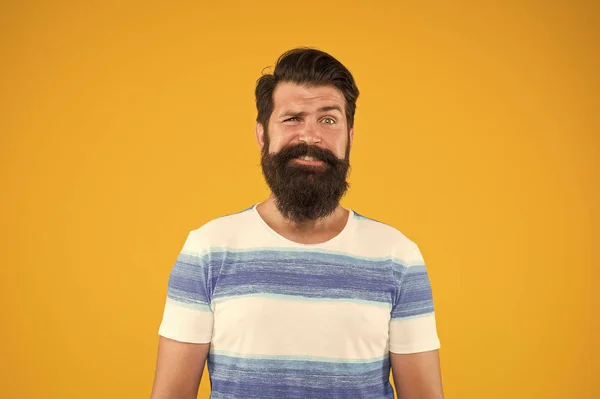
(387, 236)
(230, 220)
(379, 229)
(218, 228)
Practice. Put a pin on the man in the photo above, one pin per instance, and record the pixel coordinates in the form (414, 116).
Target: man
(298, 297)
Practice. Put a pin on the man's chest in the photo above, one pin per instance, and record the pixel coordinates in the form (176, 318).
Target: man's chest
(330, 307)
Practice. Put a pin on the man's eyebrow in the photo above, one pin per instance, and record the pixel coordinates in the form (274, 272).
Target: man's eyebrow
(291, 114)
(331, 108)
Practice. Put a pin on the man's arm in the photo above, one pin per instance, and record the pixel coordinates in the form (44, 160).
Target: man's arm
(179, 368)
(417, 375)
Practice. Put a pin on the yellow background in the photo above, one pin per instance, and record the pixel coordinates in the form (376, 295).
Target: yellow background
(125, 125)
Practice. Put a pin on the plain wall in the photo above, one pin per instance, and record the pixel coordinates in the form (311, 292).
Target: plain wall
(126, 125)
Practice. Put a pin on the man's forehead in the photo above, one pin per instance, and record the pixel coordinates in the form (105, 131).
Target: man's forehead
(291, 94)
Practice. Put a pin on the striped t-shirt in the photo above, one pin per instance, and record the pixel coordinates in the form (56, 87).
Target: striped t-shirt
(290, 320)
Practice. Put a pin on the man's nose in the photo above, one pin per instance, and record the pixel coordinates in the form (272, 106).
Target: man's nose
(311, 133)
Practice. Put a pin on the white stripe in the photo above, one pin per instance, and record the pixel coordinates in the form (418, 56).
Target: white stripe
(377, 239)
(272, 327)
(182, 323)
(414, 334)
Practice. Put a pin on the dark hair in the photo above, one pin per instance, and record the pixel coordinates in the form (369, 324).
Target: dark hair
(306, 66)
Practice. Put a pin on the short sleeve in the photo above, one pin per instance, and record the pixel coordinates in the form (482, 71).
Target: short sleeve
(412, 323)
(187, 315)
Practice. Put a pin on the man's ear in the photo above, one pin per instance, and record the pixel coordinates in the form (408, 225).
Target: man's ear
(259, 131)
(351, 137)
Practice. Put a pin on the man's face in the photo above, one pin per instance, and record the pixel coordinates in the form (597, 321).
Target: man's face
(305, 151)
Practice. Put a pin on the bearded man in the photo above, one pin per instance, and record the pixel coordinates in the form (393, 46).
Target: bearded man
(296, 296)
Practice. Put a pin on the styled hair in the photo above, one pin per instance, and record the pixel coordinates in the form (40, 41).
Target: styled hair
(305, 66)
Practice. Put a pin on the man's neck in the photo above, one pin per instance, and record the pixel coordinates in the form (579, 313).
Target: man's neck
(306, 232)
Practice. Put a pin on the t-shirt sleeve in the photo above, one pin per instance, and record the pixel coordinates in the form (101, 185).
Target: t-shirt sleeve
(412, 324)
(187, 315)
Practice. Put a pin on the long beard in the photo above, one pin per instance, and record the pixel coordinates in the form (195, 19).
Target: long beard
(305, 192)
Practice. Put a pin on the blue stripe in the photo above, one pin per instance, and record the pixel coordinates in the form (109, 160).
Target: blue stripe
(258, 390)
(266, 379)
(415, 295)
(303, 275)
(302, 364)
(190, 278)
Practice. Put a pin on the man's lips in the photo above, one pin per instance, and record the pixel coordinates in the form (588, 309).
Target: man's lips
(309, 161)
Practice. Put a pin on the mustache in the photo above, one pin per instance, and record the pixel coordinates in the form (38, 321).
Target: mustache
(300, 150)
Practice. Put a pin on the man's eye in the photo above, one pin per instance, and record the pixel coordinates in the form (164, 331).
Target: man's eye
(293, 119)
(329, 121)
